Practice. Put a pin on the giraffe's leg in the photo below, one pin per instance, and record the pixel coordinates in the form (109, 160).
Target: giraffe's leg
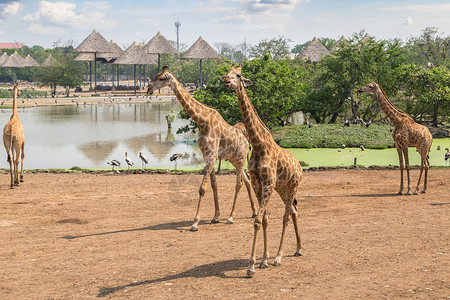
(405, 154)
(400, 160)
(427, 166)
(256, 226)
(218, 168)
(16, 166)
(422, 166)
(297, 232)
(11, 169)
(21, 162)
(216, 197)
(248, 185)
(239, 172)
(265, 222)
(202, 190)
(287, 213)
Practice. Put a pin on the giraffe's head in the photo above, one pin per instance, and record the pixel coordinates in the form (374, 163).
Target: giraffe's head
(161, 80)
(16, 88)
(370, 88)
(234, 78)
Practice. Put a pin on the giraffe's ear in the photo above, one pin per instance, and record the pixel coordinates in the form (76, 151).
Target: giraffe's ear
(164, 68)
(246, 81)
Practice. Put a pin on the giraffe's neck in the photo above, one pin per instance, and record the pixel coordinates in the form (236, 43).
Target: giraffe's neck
(196, 110)
(393, 113)
(15, 102)
(257, 131)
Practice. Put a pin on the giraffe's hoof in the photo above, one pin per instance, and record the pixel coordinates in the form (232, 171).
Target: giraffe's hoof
(214, 221)
(408, 193)
(250, 272)
(264, 264)
(11, 187)
(298, 253)
(21, 178)
(416, 193)
(277, 262)
(400, 193)
(230, 220)
(194, 228)
(423, 192)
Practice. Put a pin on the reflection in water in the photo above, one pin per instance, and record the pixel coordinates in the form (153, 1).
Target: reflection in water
(88, 136)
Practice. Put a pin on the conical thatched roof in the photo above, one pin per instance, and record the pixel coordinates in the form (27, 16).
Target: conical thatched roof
(342, 41)
(314, 51)
(201, 50)
(135, 55)
(50, 61)
(85, 57)
(13, 61)
(30, 62)
(95, 43)
(159, 45)
(3, 57)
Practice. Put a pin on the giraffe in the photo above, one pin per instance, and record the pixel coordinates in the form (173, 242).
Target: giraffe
(406, 133)
(218, 140)
(14, 141)
(271, 168)
(240, 126)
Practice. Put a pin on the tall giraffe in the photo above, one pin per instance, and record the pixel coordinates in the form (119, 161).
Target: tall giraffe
(14, 141)
(271, 167)
(218, 140)
(406, 133)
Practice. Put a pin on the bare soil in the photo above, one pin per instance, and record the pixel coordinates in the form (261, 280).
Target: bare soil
(99, 235)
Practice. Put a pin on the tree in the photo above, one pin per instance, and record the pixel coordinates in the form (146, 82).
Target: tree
(277, 92)
(277, 48)
(429, 47)
(429, 89)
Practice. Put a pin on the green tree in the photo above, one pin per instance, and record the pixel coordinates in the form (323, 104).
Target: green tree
(277, 92)
(278, 48)
(428, 91)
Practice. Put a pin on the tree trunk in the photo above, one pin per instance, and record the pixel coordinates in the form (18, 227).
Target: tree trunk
(336, 114)
(354, 108)
(435, 113)
(67, 92)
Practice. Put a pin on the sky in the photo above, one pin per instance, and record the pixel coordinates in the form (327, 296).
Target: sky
(47, 23)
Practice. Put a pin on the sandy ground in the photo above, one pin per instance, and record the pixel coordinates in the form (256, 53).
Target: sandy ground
(84, 236)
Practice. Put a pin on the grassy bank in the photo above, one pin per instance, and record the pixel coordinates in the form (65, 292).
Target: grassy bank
(333, 136)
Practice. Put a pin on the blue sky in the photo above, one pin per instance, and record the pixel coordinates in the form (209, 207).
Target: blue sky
(36, 22)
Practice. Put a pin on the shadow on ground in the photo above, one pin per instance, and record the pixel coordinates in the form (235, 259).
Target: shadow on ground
(217, 269)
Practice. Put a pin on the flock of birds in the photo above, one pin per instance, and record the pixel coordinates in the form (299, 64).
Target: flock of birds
(144, 160)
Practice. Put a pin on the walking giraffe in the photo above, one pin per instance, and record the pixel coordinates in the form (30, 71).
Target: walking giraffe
(271, 168)
(406, 133)
(14, 141)
(218, 140)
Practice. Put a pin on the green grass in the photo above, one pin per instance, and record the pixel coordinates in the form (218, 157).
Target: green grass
(333, 136)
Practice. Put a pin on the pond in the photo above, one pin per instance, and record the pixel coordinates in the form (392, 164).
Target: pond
(88, 136)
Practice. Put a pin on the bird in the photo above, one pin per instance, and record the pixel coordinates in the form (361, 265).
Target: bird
(114, 163)
(128, 160)
(439, 148)
(174, 158)
(362, 147)
(347, 123)
(343, 146)
(368, 123)
(144, 159)
(447, 154)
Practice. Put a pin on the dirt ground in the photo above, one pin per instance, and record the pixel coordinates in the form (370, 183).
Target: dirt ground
(85, 236)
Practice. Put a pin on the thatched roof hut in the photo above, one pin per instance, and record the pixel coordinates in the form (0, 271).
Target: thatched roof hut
(94, 43)
(50, 61)
(13, 61)
(3, 57)
(30, 62)
(135, 55)
(314, 51)
(201, 50)
(159, 45)
(341, 42)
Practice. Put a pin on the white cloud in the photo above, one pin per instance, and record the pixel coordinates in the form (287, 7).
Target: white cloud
(408, 21)
(422, 8)
(11, 9)
(58, 17)
(271, 5)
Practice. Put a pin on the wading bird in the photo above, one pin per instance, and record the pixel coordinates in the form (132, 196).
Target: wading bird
(144, 159)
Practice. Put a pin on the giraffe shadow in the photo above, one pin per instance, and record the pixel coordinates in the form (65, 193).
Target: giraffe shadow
(183, 225)
(352, 196)
(440, 204)
(217, 269)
